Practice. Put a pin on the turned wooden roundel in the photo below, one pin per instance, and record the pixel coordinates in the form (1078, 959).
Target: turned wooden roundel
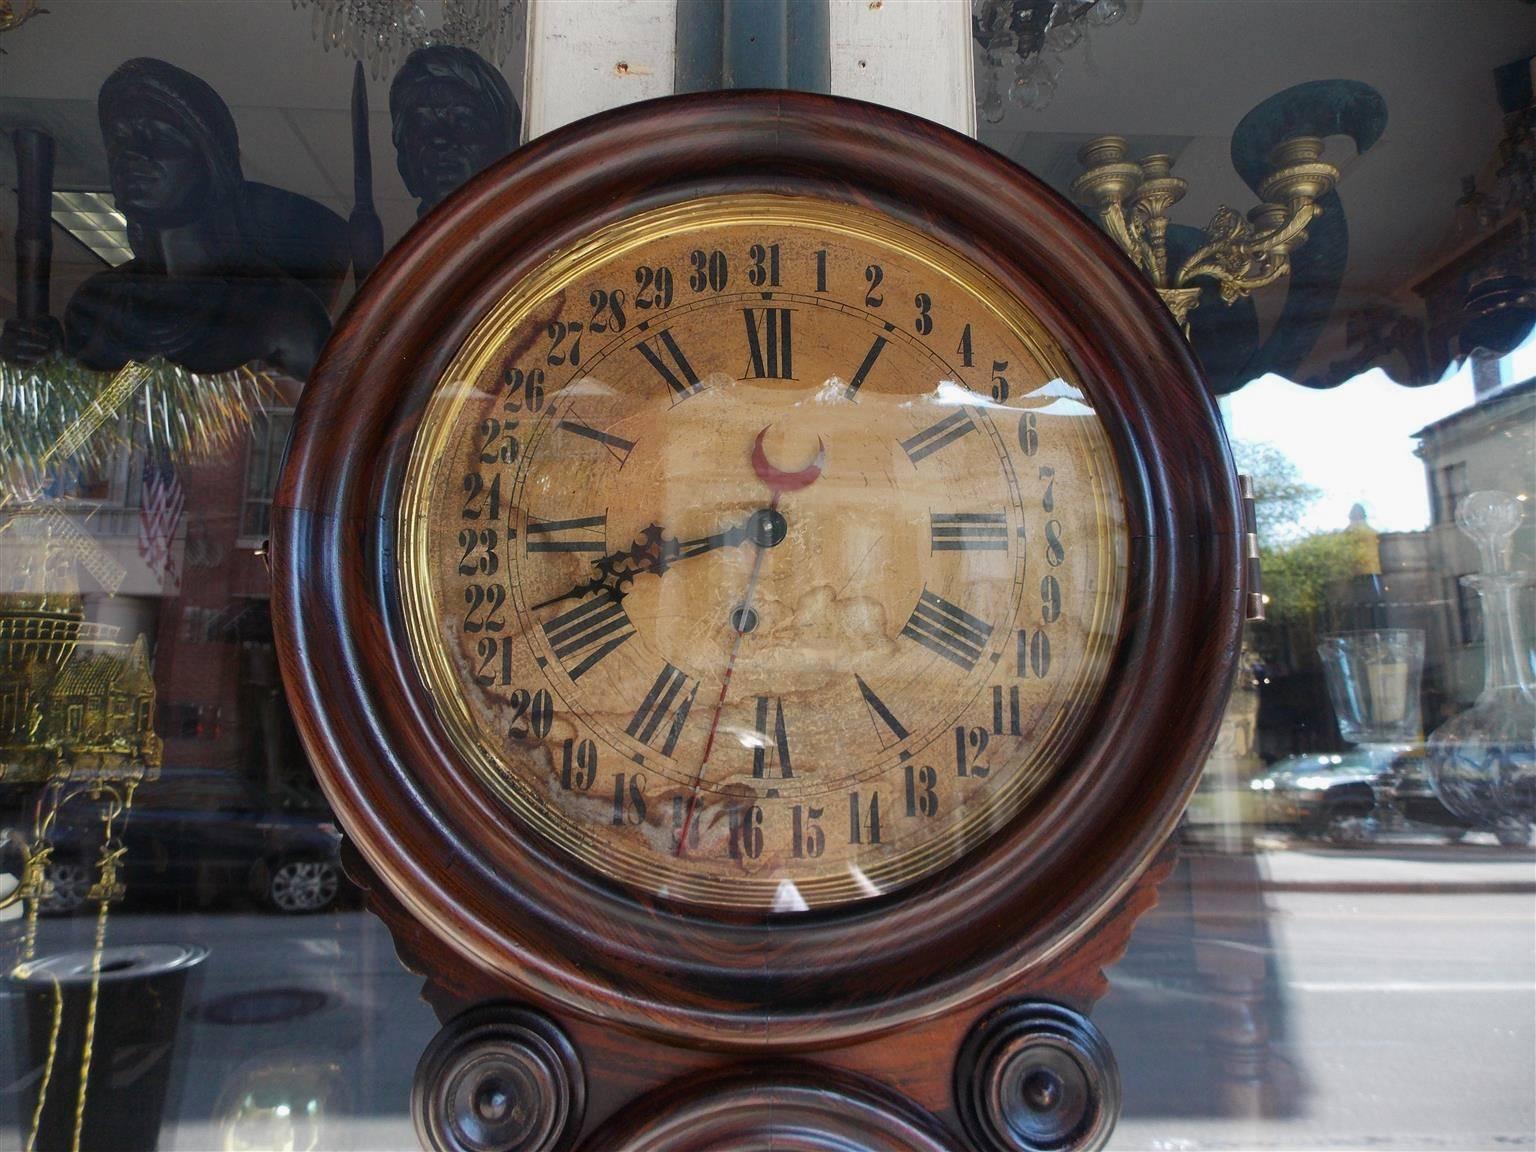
(758, 567)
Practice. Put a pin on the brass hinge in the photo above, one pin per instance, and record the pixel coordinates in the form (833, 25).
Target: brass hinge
(1253, 577)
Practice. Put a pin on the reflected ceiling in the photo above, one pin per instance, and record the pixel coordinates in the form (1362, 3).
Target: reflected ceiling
(1177, 81)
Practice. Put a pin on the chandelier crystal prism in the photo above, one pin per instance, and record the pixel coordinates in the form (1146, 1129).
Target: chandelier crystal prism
(381, 33)
(1030, 36)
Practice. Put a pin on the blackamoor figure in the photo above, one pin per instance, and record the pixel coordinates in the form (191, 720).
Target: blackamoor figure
(201, 290)
(452, 116)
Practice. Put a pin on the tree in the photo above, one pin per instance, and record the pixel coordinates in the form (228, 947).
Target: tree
(1298, 567)
(1281, 497)
(1298, 575)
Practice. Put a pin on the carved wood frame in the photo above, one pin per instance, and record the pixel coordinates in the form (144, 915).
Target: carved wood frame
(513, 907)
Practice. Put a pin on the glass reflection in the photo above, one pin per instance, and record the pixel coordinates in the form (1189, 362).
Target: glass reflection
(199, 291)
(1336, 934)
(279, 1106)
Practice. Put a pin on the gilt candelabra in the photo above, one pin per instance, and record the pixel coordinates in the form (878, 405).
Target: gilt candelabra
(1132, 200)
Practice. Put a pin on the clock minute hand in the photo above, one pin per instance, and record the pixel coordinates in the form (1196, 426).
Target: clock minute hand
(654, 551)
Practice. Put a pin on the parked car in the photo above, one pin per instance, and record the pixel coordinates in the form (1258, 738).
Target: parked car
(198, 834)
(1353, 797)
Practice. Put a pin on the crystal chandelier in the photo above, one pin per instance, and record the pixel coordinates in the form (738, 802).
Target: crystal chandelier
(1031, 35)
(383, 32)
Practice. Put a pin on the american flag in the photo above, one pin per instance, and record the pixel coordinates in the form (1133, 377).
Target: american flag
(160, 508)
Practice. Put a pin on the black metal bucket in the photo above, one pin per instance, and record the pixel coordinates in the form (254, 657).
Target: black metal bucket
(138, 1009)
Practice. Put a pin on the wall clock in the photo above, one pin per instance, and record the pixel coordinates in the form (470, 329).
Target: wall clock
(757, 576)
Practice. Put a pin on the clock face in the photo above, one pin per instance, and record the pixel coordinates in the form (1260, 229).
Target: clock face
(762, 554)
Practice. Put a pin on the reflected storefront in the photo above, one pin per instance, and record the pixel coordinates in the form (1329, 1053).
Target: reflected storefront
(378, 555)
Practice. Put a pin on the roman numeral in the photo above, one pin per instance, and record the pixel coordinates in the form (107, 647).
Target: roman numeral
(879, 711)
(779, 742)
(939, 435)
(948, 630)
(668, 360)
(968, 531)
(864, 369)
(546, 530)
(590, 631)
(1013, 710)
(768, 342)
(664, 700)
(616, 445)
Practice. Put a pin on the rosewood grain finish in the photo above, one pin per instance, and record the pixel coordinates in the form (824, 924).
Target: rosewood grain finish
(1033, 1074)
(917, 1062)
(499, 1077)
(647, 991)
(784, 1107)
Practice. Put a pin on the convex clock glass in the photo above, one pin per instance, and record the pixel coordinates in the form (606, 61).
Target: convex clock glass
(760, 552)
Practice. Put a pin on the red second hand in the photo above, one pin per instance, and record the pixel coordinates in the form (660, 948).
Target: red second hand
(725, 686)
(778, 482)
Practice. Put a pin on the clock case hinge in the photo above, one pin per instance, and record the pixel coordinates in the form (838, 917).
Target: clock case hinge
(1253, 576)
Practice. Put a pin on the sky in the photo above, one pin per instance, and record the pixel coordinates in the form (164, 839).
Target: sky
(1355, 442)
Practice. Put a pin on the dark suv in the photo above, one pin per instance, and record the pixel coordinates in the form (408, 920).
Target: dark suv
(196, 834)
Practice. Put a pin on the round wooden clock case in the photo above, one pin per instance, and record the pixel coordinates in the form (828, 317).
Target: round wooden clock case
(672, 965)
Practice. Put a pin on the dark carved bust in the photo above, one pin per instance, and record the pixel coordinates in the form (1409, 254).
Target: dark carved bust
(452, 116)
(200, 290)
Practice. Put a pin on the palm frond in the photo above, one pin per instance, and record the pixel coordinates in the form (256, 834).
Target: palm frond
(58, 412)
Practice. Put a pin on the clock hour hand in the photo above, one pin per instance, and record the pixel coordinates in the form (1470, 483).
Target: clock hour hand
(654, 551)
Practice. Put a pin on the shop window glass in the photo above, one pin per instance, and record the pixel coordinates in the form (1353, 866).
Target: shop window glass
(1351, 915)
(269, 435)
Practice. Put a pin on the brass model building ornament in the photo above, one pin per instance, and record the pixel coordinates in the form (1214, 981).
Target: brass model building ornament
(1132, 199)
(76, 718)
(77, 712)
(77, 706)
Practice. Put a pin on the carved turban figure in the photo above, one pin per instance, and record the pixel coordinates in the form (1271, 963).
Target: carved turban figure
(200, 290)
(452, 115)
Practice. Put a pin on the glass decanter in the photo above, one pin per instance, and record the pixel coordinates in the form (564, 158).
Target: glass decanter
(1482, 762)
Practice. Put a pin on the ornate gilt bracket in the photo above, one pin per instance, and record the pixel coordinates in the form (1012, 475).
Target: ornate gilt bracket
(1132, 200)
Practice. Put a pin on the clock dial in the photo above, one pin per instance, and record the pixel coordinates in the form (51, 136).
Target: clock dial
(761, 553)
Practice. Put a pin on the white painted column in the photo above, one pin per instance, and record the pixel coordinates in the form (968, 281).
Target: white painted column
(586, 56)
(909, 54)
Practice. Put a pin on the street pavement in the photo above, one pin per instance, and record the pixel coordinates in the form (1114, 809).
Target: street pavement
(1405, 866)
(1400, 1001)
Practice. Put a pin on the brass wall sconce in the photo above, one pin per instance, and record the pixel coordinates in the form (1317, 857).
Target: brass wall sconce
(15, 13)
(1132, 200)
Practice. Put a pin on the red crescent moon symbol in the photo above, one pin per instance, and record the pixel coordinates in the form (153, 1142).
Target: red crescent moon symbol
(778, 481)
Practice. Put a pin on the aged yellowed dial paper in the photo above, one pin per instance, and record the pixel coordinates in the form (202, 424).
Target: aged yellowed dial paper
(760, 553)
